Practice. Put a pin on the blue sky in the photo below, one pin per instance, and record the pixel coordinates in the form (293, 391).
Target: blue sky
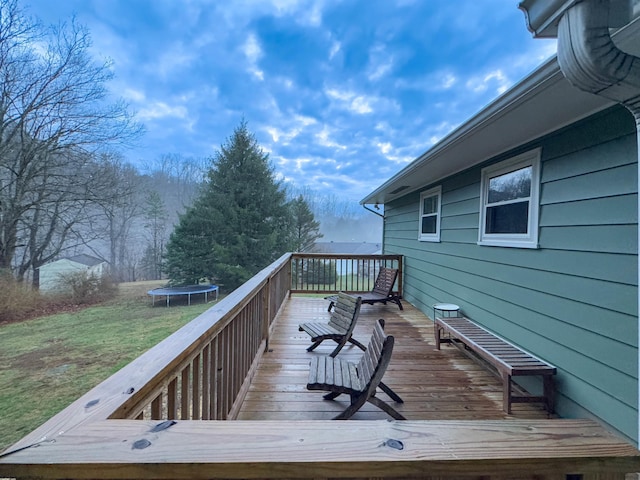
(341, 94)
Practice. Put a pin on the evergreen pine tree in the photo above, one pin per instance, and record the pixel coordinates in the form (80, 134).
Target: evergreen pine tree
(238, 224)
(305, 229)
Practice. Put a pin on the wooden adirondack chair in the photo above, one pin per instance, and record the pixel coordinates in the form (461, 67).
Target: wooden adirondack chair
(382, 291)
(340, 326)
(360, 381)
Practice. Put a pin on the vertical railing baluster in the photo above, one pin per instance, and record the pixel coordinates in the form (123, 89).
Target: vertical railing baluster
(224, 372)
(206, 364)
(185, 414)
(195, 388)
(156, 408)
(172, 407)
(213, 386)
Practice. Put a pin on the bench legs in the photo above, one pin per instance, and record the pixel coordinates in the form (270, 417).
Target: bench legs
(437, 334)
(549, 393)
(506, 393)
(547, 398)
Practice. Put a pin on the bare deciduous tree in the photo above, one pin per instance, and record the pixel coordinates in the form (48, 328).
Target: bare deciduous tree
(54, 112)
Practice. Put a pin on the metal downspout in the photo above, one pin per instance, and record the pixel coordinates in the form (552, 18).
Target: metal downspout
(592, 62)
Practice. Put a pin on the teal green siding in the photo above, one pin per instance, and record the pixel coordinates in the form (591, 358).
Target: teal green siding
(574, 300)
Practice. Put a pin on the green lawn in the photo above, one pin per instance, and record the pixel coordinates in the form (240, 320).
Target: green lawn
(46, 363)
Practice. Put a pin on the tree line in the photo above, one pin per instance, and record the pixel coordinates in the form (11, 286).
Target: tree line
(65, 188)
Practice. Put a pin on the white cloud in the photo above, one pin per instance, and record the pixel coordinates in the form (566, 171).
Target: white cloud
(437, 81)
(252, 48)
(240, 13)
(361, 105)
(133, 95)
(348, 100)
(253, 52)
(301, 162)
(339, 95)
(323, 138)
(284, 135)
(380, 70)
(496, 79)
(175, 58)
(384, 147)
(304, 120)
(335, 48)
(157, 110)
(380, 63)
(448, 80)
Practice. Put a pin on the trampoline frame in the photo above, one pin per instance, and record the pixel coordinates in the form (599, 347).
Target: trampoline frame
(185, 290)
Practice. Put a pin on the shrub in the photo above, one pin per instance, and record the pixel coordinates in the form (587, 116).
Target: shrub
(85, 287)
(18, 300)
(321, 272)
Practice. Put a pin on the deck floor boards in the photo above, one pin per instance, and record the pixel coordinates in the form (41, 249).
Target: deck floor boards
(435, 385)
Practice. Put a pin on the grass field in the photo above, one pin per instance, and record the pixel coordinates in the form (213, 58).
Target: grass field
(46, 363)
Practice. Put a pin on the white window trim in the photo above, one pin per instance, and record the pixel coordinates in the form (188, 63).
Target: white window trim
(530, 239)
(430, 237)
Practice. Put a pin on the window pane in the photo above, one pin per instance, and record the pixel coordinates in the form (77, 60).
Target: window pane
(510, 218)
(510, 186)
(429, 224)
(430, 205)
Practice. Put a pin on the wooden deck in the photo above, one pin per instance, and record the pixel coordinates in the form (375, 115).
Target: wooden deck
(435, 385)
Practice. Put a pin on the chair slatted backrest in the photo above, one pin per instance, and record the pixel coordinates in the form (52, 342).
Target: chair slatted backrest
(376, 357)
(345, 312)
(385, 281)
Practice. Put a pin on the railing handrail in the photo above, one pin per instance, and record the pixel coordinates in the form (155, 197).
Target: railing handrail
(349, 282)
(345, 256)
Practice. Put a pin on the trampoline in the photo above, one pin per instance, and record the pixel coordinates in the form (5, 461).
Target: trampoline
(186, 290)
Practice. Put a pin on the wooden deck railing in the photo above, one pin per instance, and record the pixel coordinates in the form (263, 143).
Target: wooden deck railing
(330, 273)
(145, 421)
(207, 369)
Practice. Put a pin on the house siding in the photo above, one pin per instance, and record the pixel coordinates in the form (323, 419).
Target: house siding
(51, 274)
(573, 301)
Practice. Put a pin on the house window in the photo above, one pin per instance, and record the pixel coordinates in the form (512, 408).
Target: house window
(509, 202)
(430, 215)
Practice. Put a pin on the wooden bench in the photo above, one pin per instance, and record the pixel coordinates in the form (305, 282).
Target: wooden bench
(509, 360)
(382, 291)
(340, 326)
(360, 381)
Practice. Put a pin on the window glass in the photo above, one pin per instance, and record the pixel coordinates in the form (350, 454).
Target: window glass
(510, 186)
(429, 227)
(509, 218)
(430, 204)
(509, 202)
(429, 224)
